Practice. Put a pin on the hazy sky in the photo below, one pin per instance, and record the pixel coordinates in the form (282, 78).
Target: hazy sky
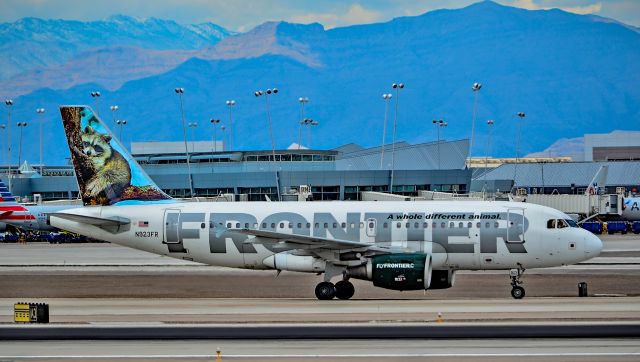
(242, 15)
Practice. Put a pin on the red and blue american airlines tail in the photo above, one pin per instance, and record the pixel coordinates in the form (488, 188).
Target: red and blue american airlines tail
(107, 174)
(10, 210)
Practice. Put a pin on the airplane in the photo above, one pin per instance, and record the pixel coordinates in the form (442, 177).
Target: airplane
(630, 205)
(397, 245)
(23, 217)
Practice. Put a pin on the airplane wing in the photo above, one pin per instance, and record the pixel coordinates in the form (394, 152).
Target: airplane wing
(313, 242)
(111, 224)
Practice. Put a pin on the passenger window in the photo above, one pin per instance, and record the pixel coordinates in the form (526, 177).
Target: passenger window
(299, 225)
(425, 225)
(290, 226)
(281, 225)
(407, 225)
(461, 225)
(416, 225)
(551, 224)
(398, 225)
(443, 225)
(434, 224)
(316, 225)
(451, 225)
(202, 226)
(273, 225)
(487, 225)
(237, 225)
(335, 225)
(478, 224)
(495, 224)
(308, 225)
(344, 225)
(385, 225)
(469, 224)
(361, 224)
(246, 225)
(264, 225)
(352, 225)
(228, 225)
(326, 225)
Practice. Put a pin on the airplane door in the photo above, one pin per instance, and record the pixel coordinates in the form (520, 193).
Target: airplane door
(515, 226)
(172, 231)
(371, 229)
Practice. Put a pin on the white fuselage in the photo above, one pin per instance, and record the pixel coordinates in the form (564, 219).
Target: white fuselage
(459, 235)
(631, 210)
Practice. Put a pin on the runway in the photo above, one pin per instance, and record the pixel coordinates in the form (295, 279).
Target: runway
(110, 289)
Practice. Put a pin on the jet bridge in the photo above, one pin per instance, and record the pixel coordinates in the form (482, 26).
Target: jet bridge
(587, 206)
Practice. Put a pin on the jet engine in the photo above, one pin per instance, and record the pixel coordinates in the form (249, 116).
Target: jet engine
(396, 271)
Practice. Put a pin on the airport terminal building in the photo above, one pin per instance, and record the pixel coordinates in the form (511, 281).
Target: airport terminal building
(338, 174)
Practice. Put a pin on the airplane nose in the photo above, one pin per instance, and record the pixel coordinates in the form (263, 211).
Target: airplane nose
(593, 245)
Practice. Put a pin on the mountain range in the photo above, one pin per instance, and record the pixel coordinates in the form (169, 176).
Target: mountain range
(570, 74)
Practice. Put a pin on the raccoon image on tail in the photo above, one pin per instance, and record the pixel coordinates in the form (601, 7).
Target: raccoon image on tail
(112, 173)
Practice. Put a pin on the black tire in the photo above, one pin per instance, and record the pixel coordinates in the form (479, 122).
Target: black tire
(517, 292)
(325, 290)
(344, 289)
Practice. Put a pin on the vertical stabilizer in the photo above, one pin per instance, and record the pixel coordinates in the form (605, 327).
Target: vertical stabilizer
(598, 182)
(107, 174)
(10, 209)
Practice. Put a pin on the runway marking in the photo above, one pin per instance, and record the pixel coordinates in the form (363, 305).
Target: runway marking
(368, 355)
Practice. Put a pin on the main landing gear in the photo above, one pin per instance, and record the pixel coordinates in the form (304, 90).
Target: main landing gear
(517, 291)
(341, 290)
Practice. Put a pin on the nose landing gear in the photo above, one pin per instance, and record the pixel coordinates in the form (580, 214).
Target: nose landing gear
(517, 292)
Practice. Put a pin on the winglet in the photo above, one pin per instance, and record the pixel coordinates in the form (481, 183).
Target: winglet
(107, 174)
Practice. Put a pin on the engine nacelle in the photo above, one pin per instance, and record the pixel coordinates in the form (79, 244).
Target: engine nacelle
(299, 263)
(396, 271)
(442, 279)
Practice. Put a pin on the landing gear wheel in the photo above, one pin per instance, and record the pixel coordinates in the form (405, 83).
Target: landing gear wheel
(344, 289)
(517, 292)
(325, 290)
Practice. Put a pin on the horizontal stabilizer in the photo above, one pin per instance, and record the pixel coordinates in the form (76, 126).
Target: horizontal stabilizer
(111, 224)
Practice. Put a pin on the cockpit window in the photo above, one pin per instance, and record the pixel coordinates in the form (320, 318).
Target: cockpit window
(572, 223)
(561, 223)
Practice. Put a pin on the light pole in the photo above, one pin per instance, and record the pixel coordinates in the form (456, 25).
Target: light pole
(476, 89)
(230, 104)
(96, 96)
(386, 98)
(521, 116)
(180, 92)
(309, 122)
(397, 87)
(4, 154)
(120, 123)
(488, 152)
(439, 123)
(215, 123)
(266, 95)
(9, 104)
(113, 112)
(193, 126)
(223, 128)
(40, 111)
(303, 101)
(21, 125)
